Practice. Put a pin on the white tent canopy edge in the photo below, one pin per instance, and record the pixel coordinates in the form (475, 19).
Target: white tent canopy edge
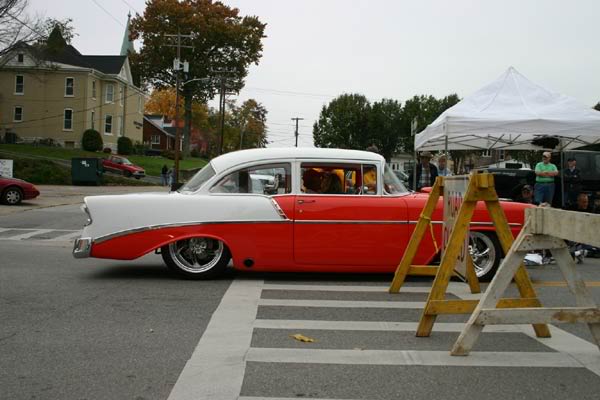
(509, 113)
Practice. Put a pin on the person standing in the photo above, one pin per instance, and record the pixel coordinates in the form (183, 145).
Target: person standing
(545, 172)
(164, 180)
(572, 177)
(426, 172)
(442, 166)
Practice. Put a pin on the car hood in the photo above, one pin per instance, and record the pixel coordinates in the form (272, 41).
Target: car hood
(118, 214)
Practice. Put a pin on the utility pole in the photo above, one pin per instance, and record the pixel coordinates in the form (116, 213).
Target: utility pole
(177, 66)
(221, 75)
(297, 119)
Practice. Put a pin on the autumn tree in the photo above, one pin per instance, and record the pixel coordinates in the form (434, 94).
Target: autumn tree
(162, 102)
(221, 40)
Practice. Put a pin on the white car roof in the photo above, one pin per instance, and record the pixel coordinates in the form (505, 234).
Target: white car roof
(234, 158)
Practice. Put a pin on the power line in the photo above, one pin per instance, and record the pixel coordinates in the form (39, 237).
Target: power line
(25, 25)
(128, 4)
(108, 13)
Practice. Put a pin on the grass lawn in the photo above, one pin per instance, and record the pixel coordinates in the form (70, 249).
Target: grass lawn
(152, 165)
(47, 172)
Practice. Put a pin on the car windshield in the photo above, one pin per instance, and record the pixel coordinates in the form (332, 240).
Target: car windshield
(126, 161)
(199, 179)
(391, 183)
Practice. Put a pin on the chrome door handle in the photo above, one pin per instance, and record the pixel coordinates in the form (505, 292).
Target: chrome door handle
(306, 201)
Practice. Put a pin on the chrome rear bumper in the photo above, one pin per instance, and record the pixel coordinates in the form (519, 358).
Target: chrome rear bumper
(82, 247)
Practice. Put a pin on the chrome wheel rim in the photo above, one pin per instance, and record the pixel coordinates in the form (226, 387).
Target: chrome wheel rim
(196, 255)
(483, 253)
(13, 196)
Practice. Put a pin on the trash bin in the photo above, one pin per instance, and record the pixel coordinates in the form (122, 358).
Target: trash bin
(86, 171)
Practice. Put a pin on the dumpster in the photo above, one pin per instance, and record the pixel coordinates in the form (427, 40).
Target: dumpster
(86, 171)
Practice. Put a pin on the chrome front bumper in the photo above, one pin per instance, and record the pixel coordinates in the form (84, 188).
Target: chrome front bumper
(82, 247)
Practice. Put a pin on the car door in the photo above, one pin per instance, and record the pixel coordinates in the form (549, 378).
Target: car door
(358, 227)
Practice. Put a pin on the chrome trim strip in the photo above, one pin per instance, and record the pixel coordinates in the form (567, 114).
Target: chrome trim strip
(346, 222)
(279, 210)
(472, 223)
(104, 238)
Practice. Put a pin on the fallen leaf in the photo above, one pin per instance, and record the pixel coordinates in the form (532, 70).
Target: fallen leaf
(302, 338)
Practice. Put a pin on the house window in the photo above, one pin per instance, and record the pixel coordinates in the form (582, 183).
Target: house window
(121, 94)
(155, 139)
(68, 120)
(20, 58)
(110, 93)
(108, 125)
(93, 89)
(18, 114)
(69, 87)
(19, 84)
(501, 155)
(486, 153)
(93, 118)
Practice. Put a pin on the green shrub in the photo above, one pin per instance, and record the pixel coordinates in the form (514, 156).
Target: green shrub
(91, 140)
(124, 145)
(107, 150)
(140, 148)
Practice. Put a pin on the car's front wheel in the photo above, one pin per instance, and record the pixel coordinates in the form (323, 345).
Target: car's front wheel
(486, 253)
(196, 258)
(12, 196)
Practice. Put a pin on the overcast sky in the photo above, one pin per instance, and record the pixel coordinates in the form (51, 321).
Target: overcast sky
(318, 49)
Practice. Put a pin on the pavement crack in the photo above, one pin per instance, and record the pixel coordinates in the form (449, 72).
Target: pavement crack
(8, 337)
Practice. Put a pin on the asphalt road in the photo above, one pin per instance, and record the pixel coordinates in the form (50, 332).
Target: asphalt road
(102, 329)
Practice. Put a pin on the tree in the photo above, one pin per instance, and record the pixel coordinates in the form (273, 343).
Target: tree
(162, 102)
(344, 123)
(250, 121)
(385, 120)
(65, 28)
(91, 140)
(15, 25)
(222, 40)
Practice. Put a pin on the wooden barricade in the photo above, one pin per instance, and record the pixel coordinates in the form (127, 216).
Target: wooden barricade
(480, 188)
(405, 268)
(545, 228)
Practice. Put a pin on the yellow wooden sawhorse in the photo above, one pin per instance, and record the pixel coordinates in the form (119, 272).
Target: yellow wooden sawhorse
(480, 188)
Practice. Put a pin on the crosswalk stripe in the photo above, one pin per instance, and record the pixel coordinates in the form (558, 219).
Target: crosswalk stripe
(341, 303)
(411, 357)
(29, 234)
(373, 326)
(68, 236)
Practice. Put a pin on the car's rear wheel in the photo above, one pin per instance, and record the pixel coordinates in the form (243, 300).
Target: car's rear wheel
(12, 196)
(196, 258)
(486, 253)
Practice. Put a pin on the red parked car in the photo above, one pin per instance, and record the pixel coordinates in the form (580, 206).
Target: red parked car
(13, 191)
(124, 166)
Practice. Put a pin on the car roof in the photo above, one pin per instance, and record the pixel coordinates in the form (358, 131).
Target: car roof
(234, 158)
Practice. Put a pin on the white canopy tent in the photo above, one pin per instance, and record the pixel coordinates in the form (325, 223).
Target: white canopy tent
(510, 113)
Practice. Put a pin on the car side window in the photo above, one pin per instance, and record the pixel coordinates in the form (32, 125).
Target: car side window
(327, 178)
(266, 179)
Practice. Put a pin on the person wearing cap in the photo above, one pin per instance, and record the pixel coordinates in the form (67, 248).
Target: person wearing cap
(442, 166)
(572, 178)
(426, 172)
(545, 172)
(526, 195)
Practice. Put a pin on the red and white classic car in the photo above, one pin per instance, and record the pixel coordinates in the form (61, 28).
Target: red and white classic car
(280, 209)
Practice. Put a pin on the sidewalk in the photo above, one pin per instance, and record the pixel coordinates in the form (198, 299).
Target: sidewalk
(57, 195)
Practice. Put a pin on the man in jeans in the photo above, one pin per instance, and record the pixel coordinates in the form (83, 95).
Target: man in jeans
(545, 172)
